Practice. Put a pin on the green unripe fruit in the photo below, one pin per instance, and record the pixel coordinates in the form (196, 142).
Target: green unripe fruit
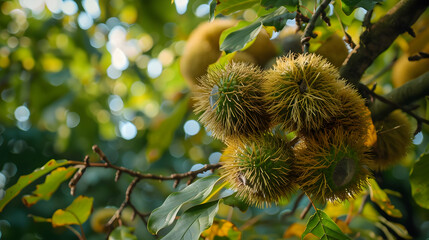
(230, 102)
(302, 92)
(260, 171)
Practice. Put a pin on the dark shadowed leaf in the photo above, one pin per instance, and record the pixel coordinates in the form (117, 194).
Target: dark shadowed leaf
(26, 180)
(419, 181)
(52, 182)
(350, 5)
(193, 222)
(237, 202)
(382, 200)
(76, 213)
(323, 227)
(192, 194)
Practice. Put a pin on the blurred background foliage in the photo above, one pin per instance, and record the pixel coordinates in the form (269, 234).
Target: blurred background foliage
(78, 73)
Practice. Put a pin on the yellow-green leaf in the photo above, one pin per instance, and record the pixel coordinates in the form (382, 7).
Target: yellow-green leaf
(26, 180)
(52, 182)
(77, 213)
(379, 197)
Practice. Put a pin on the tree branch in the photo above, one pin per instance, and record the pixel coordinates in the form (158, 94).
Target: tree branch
(379, 36)
(308, 32)
(406, 94)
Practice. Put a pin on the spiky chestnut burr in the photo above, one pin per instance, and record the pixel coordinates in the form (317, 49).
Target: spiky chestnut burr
(394, 139)
(331, 165)
(302, 92)
(353, 117)
(260, 171)
(230, 101)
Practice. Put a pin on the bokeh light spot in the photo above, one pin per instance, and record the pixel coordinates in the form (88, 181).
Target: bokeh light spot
(214, 157)
(22, 113)
(115, 103)
(69, 7)
(191, 127)
(202, 10)
(154, 68)
(181, 6)
(84, 21)
(128, 130)
(73, 119)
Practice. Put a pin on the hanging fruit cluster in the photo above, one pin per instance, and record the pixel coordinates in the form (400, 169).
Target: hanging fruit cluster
(335, 148)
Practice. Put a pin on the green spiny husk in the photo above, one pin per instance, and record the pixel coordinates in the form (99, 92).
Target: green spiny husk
(301, 92)
(230, 102)
(262, 172)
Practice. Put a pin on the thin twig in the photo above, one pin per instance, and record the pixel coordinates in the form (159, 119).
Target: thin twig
(419, 119)
(306, 210)
(140, 175)
(308, 32)
(101, 154)
(126, 202)
(295, 206)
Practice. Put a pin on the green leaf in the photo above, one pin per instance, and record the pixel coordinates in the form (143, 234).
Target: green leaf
(349, 6)
(193, 222)
(396, 227)
(419, 181)
(161, 133)
(238, 40)
(226, 7)
(77, 213)
(26, 180)
(237, 202)
(40, 219)
(380, 197)
(122, 233)
(52, 182)
(213, 5)
(192, 194)
(323, 227)
(277, 18)
(241, 38)
(278, 3)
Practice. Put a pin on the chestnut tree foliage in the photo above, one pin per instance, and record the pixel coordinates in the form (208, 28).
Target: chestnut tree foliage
(99, 136)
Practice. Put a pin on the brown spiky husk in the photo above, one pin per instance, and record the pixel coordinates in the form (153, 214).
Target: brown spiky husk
(302, 92)
(320, 160)
(260, 171)
(353, 116)
(238, 112)
(394, 140)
